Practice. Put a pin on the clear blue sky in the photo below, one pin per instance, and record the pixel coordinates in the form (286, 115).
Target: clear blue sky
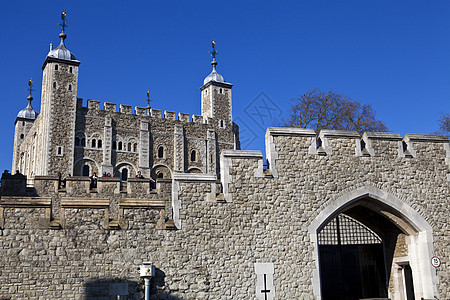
(394, 55)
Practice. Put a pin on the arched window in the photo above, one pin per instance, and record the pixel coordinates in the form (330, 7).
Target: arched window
(93, 143)
(77, 141)
(114, 145)
(59, 150)
(22, 136)
(99, 143)
(54, 85)
(83, 142)
(134, 147)
(221, 124)
(56, 67)
(120, 146)
(70, 87)
(161, 152)
(23, 123)
(194, 155)
(70, 70)
(129, 147)
(85, 170)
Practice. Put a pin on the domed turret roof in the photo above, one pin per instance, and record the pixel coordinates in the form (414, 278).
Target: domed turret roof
(61, 51)
(214, 76)
(28, 112)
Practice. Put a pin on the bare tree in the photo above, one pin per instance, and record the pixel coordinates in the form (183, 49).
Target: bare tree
(444, 124)
(328, 110)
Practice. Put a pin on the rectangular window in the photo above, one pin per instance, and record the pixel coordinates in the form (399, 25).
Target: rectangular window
(59, 151)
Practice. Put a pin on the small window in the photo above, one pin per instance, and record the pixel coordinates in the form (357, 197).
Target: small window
(134, 147)
(23, 123)
(59, 151)
(161, 175)
(22, 136)
(194, 155)
(77, 141)
(56, 67)
(221, 124)
(93, 143)
(161, 152)
(405, 146)
(70, 70)
(85, 170)
(83, 142)
(318, 143)
(114, 145)
(206, 92)
(54, 85)
(120, 146)
(220, 90)
(70, 87)
(124, 174)
(99, 143)
(129, 147)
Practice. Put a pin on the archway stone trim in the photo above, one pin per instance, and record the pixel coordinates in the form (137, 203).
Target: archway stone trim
(421, 243)
(87, 159)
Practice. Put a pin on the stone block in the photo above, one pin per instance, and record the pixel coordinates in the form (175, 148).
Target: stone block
(93, 104)
(125, 109)
(170, 115)
(183, 117)
(110, 106)
(155, 113)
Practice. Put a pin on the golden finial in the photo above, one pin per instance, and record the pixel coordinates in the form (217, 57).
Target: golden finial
(213, 52)
(64, 21)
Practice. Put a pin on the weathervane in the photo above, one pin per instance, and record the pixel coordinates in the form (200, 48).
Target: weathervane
(64, 21)
(214, 51)
(30, 89)
(148, 99)
(148, 102)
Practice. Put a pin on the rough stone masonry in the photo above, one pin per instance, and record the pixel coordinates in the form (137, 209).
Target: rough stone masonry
(218, 224)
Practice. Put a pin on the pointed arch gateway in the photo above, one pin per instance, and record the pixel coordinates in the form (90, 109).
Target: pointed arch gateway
(402, 261)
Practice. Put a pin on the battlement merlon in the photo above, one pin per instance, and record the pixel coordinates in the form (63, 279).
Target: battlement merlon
(254, 162)
(177, 185)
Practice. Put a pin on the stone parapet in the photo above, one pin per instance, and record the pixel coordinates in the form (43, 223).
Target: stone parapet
(94, 105)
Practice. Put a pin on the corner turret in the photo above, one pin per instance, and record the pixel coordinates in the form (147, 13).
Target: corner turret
(58, 109)
(23, 124)
(216, 96)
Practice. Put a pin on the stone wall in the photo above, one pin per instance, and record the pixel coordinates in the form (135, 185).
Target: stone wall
(263, 216)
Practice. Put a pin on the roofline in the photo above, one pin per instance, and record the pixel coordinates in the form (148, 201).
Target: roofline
(24, 119)
(221, 84)
(60, 60)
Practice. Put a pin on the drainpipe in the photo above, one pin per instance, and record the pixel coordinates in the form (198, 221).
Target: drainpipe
(147, 271)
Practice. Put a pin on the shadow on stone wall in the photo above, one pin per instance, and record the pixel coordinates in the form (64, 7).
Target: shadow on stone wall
(116, 288)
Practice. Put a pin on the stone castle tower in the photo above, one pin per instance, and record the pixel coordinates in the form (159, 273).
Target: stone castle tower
(69, 138)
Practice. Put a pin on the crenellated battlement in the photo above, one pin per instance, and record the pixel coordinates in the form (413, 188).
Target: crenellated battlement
(110, 194)
(93, 105)
(349, 143)
(302, 149)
